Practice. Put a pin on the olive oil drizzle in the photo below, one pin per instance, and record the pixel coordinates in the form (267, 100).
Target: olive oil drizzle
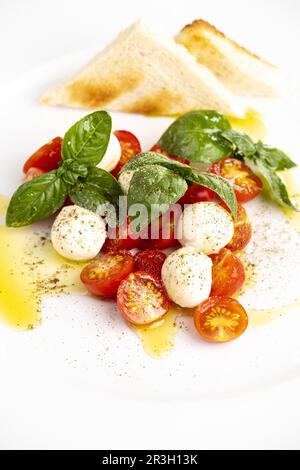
(158, 338)
(30, 271)
(252, 124)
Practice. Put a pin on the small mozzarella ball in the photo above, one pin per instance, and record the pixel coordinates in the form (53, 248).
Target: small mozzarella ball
(125, 179)
(206, 226)
(77, 233)
(186, 275)
(112, 154)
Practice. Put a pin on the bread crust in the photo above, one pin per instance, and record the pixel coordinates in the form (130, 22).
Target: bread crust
(197, 25)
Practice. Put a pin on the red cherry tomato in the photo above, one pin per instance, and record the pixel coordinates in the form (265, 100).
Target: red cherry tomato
(197, 193)
(228, 274)
(158, 149)
(130, 147)
(103, 276)
(245, 183)
(242, 231)
(68, 202)
(150, 261)
(220, 319)
(32, 173)
(121, 238)
(160, 233)
(141, 298)
(47, 157)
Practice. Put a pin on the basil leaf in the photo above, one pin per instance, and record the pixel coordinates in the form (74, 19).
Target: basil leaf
(220, 186)
(154, 185)
(105, 181)
(87, 140)
(37, 199)
(154, 158)
(242, 144)
(99, 188)
(195, 136)
(76, 167)
(87, 196)
(70, 177)
(274, 158)
(272, 182)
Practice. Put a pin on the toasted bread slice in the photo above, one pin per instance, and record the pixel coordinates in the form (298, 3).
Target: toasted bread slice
(144, 71)
(241, 71)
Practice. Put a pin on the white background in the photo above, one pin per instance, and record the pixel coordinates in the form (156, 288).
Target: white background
(32, 32)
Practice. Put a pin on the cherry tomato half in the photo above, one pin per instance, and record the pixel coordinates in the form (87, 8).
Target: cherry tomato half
(130, 147)
(228, 274)
(103, 276)
(220, 319)
(197, 193)
(32, 173)
(47, 157)
(242, 231)
(245, 183)
(121, 238)
(141, 298)
(158, 149)
(160, 233)
(150, 261)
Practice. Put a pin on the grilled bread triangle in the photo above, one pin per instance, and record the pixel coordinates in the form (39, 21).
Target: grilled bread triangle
(144, 71)
(238, 69)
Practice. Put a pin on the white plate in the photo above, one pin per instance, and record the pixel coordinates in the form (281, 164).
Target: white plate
(83, 378)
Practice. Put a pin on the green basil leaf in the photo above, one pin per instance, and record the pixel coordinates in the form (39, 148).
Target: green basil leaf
(70, 177)
(274, 158)
(76, 167)
(242, 144)
(87, 140)
(106, 182)
(154, 185)
(99, 188)
(37, 199)
(154, 158)
(220, 186)
(196, 136)
(272, 182)
(87, 196)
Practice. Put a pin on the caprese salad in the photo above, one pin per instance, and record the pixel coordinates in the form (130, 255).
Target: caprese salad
(198, 216)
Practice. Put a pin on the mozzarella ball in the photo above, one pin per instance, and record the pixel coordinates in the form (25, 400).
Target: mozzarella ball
(186, 275)
(125, 179)
(206, 226)
(77, 233)
(112, 154)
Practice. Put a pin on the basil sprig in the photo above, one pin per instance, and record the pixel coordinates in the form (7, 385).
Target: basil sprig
(206, 137)
(265, 161)
(83, 147)
(159, 180)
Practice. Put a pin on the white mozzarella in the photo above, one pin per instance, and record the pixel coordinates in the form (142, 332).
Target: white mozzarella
(77, 233)
(206, 226)
(112, 154)
(186, 275)
(125, 179)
